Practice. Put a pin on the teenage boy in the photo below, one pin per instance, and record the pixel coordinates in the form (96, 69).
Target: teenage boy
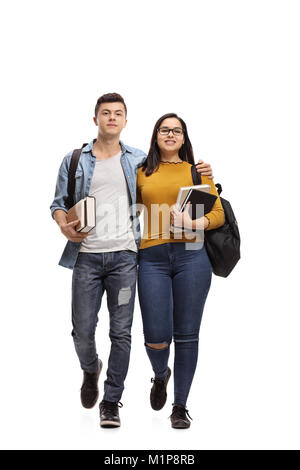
(106, 257)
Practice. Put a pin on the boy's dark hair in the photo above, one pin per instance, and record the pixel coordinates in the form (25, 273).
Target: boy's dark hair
(110, 98)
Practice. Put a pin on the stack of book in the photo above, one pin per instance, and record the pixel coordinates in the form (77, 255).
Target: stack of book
(85, 211)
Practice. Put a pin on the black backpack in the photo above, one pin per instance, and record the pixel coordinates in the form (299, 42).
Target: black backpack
(71, 176)
(222, 244)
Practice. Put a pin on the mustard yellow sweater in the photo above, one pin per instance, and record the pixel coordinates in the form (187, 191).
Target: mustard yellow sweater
(158, 192)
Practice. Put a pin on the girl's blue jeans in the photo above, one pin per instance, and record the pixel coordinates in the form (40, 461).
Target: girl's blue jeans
(173, 283)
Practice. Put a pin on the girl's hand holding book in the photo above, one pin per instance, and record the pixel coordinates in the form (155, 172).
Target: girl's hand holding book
(181, 219)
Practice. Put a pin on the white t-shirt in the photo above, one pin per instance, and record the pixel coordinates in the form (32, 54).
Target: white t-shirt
(113, 231)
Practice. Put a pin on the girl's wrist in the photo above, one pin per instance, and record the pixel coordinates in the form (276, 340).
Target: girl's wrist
(207, 222)
(200, 224)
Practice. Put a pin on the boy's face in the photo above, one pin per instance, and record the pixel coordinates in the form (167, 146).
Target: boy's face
(110, 119)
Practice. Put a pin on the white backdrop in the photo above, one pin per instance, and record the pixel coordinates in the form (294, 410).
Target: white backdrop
(231, 70)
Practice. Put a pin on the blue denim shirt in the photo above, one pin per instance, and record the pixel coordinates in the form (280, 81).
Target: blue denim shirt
(131, 159)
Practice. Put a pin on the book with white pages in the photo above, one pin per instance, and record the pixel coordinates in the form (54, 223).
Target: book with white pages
(184, 191)
(197, 194)
(85, 211)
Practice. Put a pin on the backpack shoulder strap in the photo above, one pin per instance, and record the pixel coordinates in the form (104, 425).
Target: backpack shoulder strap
(197, 179)
(195, 175)
(71, 175)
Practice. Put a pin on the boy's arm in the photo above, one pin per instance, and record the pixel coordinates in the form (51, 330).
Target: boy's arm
(58, 207)
(61, 189)
(60, 217)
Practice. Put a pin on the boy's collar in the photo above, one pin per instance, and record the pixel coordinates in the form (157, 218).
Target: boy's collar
(89, 147)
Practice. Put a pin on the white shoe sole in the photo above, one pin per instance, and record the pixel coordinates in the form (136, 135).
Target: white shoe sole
(109, 424)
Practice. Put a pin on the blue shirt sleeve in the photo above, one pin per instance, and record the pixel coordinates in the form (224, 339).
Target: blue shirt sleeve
(61, 190)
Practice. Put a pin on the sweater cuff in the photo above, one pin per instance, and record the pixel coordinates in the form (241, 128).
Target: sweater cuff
(208, 221)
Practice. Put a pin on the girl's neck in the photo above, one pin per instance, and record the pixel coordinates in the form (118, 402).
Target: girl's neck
(170, 157)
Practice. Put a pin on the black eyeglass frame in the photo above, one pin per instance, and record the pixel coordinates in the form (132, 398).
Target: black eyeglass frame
(168, 129)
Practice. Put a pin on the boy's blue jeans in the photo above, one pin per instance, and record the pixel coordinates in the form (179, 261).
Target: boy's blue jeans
(93, 273)
(173, 284)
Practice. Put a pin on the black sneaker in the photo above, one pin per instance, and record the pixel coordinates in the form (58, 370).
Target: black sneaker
(158, 395)
(179, 417)
(89, 390)
(109, 414)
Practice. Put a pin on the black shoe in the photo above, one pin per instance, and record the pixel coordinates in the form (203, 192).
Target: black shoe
(89, 390)
(158, 395)
(109, 414)
(179, 417)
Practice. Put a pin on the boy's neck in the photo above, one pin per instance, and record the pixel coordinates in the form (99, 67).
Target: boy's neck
(106, 147)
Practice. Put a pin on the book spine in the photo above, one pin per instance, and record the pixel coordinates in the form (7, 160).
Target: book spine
(85, 213)
(185, 201)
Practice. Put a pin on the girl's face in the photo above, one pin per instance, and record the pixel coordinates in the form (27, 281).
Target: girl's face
(170, 136)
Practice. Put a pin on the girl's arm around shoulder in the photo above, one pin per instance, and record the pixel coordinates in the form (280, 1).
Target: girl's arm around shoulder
(216, 216)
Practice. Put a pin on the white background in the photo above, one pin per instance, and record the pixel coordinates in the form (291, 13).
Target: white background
(231, 70)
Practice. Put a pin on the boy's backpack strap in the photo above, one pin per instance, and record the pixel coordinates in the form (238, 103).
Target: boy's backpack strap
(71, 176)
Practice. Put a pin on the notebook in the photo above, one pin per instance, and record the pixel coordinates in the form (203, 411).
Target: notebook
(199, 194)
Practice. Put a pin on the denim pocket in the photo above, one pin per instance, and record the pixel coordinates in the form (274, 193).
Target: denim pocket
(130, 252)
(129, 256)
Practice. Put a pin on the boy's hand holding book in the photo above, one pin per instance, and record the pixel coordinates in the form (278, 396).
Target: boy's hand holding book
(69, 231)
(79, 220)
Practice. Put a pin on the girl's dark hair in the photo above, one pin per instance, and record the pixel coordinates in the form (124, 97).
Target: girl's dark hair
(185, 152)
